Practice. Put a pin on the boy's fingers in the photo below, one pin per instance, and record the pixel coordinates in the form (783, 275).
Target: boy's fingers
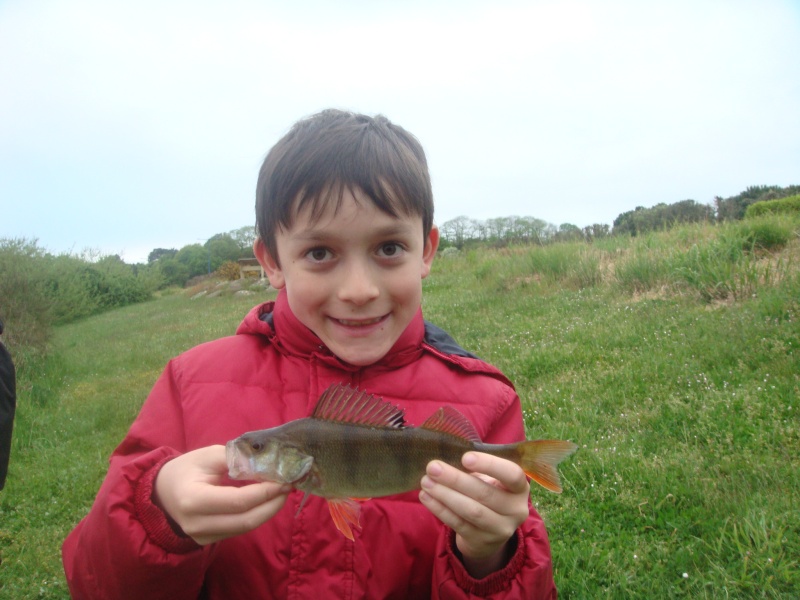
(492, 493)
(206, 529)
(219, 500)
(211, 460)
(450, 485)
(442, 512)
(452, 505)
(190, 484)
(509, 474)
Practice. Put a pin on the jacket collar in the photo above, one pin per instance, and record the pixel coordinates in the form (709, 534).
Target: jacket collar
(291, 337)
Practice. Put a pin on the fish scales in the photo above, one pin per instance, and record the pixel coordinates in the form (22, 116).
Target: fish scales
(354, 460)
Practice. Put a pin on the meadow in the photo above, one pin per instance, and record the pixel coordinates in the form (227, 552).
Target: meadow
(672, 359)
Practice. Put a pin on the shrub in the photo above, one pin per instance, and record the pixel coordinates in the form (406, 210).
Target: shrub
(790, 205)
(229, 270)
(37, 287)
(765, 233)
(730, 266)
(25, 308)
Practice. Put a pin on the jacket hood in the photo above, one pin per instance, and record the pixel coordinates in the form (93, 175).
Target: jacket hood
(276, 321)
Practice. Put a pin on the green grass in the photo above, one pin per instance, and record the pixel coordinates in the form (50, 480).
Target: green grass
(684, 403)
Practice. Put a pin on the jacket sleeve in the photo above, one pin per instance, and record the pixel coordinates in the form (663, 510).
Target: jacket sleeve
(124, 548)
(529, 572)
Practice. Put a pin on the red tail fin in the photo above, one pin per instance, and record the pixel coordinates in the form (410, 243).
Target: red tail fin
(540, 458)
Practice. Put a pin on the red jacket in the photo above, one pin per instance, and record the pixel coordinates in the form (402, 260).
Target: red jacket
(273, 371)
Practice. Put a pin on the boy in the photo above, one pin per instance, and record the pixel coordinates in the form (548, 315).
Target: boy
(345, 220)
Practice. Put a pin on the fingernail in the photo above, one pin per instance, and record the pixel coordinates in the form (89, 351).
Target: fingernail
(434, 469)
(469, 460)
(427, 483)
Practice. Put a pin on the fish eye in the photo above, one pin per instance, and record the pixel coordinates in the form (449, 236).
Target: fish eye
(257, 446)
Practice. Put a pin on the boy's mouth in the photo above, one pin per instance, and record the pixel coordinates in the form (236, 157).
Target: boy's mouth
(360, 322)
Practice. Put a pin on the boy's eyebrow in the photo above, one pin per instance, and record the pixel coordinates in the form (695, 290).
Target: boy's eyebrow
(313, 233)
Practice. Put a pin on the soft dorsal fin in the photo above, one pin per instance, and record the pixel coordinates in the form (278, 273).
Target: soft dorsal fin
(448, 420)
(343, 404)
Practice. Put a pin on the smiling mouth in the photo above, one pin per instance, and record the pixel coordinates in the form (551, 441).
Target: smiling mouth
(360, 322)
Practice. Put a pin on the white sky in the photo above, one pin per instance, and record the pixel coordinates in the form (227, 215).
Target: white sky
(130, 126)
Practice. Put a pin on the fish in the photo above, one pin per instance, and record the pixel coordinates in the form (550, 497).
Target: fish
(356, 446)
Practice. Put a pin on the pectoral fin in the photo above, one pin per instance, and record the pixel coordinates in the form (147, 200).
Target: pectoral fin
(345, 512)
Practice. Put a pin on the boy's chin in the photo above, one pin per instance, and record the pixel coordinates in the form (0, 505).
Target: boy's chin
(360, 358)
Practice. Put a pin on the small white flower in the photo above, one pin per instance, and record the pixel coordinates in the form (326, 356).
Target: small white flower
(686, 576)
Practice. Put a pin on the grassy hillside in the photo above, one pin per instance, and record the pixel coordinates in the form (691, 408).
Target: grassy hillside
(673, 360)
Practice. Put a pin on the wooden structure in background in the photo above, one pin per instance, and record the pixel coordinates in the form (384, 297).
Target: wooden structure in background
(250, 265)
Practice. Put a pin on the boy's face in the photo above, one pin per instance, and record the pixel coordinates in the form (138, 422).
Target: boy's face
(355, 277)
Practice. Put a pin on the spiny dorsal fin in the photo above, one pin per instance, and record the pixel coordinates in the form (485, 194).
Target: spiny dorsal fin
(343, 404)
(448, 420)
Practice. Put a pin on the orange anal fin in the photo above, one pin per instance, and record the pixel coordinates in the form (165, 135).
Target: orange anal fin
(540, 458)
(345, 512)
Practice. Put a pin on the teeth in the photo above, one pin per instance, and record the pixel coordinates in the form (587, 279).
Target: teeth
(359, 323)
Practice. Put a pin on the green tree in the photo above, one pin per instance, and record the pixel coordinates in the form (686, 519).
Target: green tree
(456, 232)
(244, 238)
(173, 271)
(195, 258)
(567, 232)
(596, 231)
(158, 253)
(222, 248)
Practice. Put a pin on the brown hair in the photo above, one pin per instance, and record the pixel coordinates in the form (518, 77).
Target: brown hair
(334, 150)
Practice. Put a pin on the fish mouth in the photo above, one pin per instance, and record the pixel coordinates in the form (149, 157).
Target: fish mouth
(239, 466)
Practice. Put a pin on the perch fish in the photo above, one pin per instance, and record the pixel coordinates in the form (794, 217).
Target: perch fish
(356, 446)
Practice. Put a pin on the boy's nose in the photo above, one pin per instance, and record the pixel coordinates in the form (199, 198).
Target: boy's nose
(357, 285)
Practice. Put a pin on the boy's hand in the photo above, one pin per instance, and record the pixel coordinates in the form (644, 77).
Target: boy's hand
(484, 508)
(189, 490)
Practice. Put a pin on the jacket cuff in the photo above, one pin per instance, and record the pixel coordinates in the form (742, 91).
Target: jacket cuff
(493, 583)
(154, 520)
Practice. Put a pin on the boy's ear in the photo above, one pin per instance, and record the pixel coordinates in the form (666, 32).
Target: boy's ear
(429, 251)
(269, 264)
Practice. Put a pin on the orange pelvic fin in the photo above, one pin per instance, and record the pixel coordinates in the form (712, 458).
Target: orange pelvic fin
(540, 458)
(345, 512)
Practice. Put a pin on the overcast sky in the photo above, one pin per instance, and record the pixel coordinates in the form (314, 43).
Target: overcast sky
(126, 127)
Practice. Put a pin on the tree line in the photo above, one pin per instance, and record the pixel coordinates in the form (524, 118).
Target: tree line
(502, 231)
(39, 289)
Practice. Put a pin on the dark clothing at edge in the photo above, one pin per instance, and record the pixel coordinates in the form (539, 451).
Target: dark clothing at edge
(8, 405)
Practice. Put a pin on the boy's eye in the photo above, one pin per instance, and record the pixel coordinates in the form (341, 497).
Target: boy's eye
(318, 254)
(390, 249)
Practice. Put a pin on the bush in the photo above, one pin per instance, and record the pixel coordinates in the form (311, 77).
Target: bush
(790, 205)
(37, 288)
(730, 266)
(229, 271)
(25, 308)
(765, 233)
